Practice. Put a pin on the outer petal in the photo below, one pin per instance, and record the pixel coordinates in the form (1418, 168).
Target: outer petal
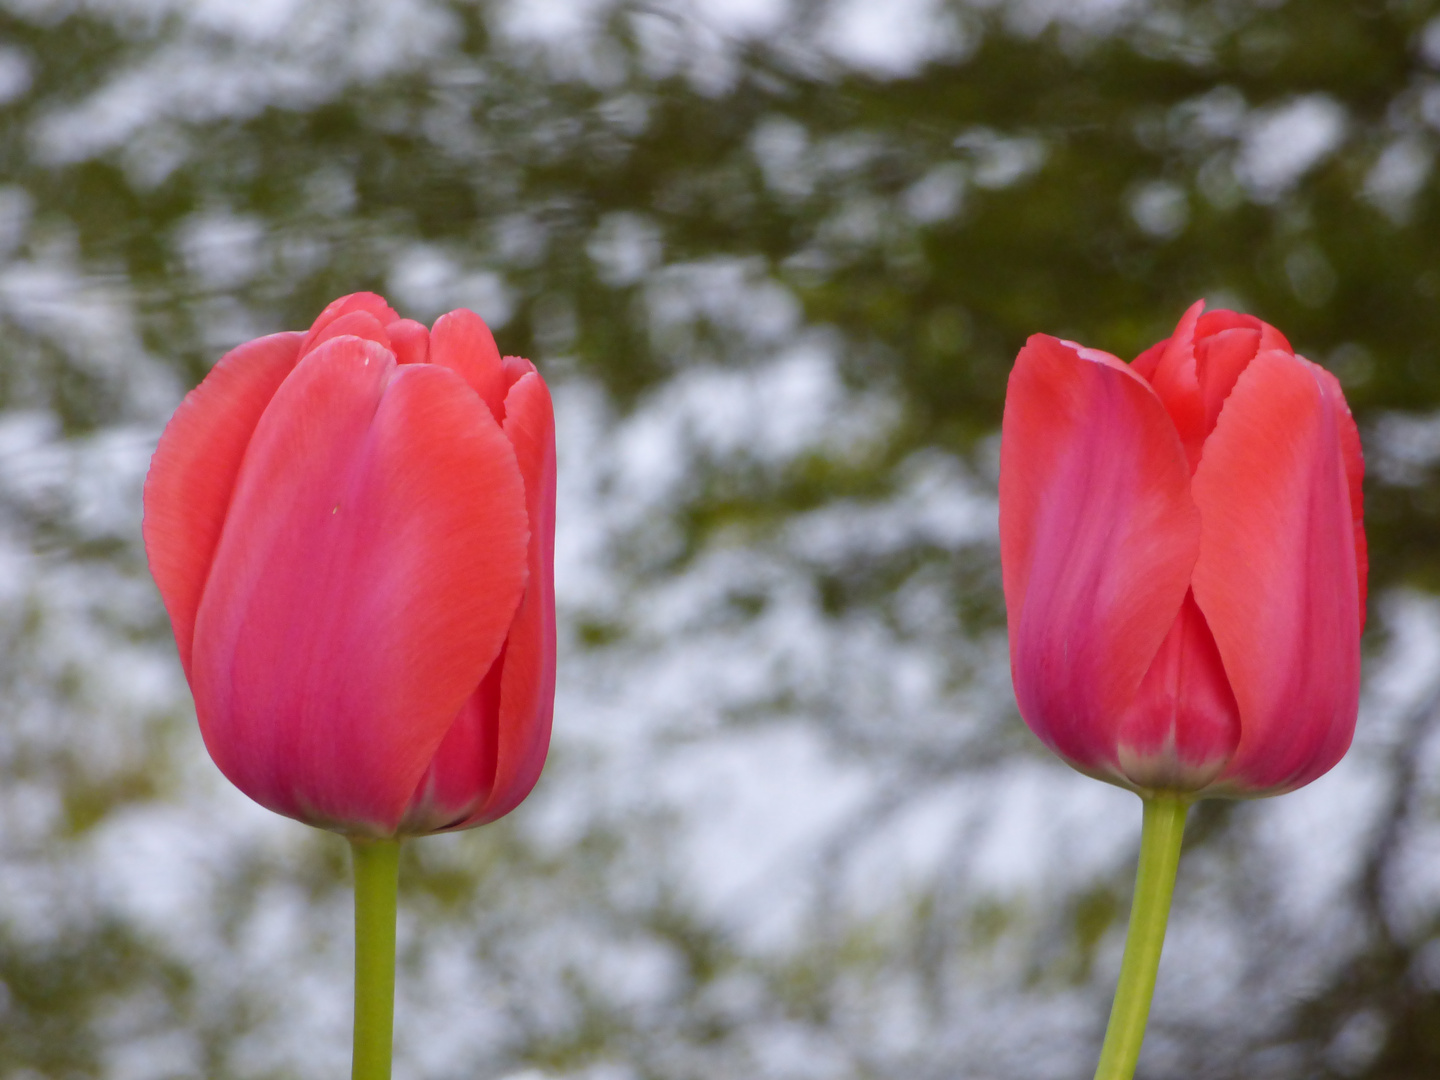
(371, 564)
(1098, 536)
(1277, 575)
(1354, 476)
(462, 342)
(493, 754)
(192, 474)
(527, 692)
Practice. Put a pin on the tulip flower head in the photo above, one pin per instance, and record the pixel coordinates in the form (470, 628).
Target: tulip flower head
(1184, 558)
(353, 533)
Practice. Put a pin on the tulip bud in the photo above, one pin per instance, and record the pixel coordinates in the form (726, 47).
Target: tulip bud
(1184, 558)
(352, 530)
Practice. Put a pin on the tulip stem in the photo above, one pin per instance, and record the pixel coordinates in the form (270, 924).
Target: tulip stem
(377, 880)
(1149, 911)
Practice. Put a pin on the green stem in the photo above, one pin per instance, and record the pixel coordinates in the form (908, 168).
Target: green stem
(1149, 911)
(377, 879)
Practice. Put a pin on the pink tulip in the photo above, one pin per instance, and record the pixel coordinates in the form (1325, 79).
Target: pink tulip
(1184, 558)
(353, 533)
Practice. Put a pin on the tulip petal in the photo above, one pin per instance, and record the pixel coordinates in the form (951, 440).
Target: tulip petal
(409, 340)
(192, 474)
(1220, 320)
(361, 301)
(1354, 477)
(1098, 536)
(1183, 724)
(527, 692)
(370, 567)
(1276, 577)
(514, 369)
(495, 752)
(1145, 364)
(360, 324)
(496, 749)
(462, 342)
(1219, 360)
(462, 772)
(1176, 380)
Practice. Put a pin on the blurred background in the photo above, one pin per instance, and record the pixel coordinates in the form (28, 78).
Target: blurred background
(775, 257)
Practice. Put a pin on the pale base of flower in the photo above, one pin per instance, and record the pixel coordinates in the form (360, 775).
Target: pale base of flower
(1165, 770)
